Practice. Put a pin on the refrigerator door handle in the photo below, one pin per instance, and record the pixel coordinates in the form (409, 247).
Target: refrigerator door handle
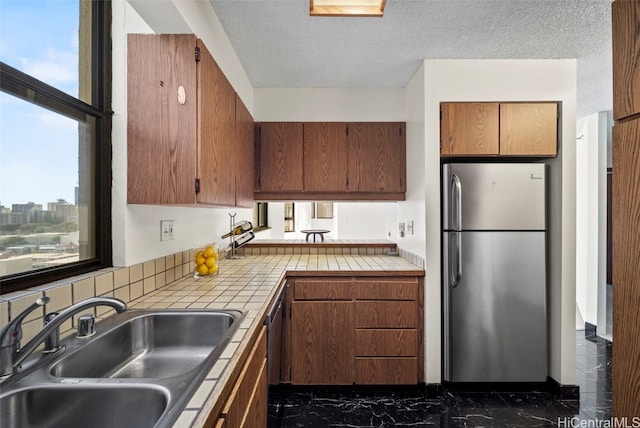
(455, 256)
(456, 211)
(456, 202)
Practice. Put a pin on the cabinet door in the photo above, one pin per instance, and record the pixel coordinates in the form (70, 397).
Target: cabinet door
(161, 149)
(469, 129)
(376, 156)
(626, 270)
(325, 160)
(256, 415)
(216, 133)
(280, 156)
(626, 58)
(322, 343)
(529, 129)
(244, 155)
(244, 402)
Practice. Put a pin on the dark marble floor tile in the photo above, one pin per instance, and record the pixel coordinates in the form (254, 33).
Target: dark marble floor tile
(353, 407)
(323, 407)
(596, 404)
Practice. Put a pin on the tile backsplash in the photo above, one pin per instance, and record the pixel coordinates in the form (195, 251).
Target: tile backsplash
(125, 284)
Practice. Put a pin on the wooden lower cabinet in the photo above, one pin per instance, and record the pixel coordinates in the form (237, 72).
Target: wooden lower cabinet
(386, 342)
(247, 404)
(386, 371)
(322, 340)
(386, 314)
(363, 331)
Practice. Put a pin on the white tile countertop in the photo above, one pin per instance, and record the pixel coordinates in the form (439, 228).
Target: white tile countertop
(250, 284)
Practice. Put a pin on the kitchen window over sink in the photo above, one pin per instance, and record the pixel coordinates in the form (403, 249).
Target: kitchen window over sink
(55, 140)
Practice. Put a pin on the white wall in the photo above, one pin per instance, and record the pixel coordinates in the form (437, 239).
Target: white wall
(593, 142)
(328, 104)
(364, 220)
(506, 80)
(136, 229)
(591, 164)
(422, 205)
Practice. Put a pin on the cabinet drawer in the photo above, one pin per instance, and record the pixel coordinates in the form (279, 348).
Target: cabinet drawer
(236, 408)
(386, 371)
(386, 343)
(386, 290)
(384, 314)
(339, 289)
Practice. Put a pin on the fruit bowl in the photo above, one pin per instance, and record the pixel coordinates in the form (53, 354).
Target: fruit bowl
(206, 262)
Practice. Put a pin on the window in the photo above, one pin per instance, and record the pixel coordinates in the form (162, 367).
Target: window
(55, 140)
(260, 216)
(322, 210)
(289, 217)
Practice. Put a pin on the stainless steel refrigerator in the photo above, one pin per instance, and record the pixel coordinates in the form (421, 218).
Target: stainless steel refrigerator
(494, 272)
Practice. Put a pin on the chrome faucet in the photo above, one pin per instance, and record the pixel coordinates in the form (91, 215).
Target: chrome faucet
(12, 355)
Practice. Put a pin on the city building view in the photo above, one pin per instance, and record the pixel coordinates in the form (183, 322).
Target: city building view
(33, 236)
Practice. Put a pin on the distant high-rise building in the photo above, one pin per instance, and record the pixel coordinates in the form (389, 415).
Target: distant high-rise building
(63, 210)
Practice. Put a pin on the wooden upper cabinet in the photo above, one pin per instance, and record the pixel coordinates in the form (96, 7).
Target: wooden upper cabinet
(469, 129)
(280, 154)
(216, 133)
(528, 129)
(376, 157)
(325, 163)
(493, 129)
(330, 161)
(244, 155)
(161, 130)
(181, 126)
(626, 58)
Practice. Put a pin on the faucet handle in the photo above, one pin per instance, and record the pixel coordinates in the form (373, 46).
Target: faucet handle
(86, 325)
(10, 336)
(11, 333)
(52, 342)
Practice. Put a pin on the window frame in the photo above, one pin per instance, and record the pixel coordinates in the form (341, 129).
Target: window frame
(24, 86)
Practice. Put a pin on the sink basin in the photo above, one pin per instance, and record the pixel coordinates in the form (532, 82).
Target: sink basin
(150, 345)
(83, 406)
(138, 370)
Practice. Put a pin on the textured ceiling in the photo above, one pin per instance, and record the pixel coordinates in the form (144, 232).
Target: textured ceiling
(280, 45)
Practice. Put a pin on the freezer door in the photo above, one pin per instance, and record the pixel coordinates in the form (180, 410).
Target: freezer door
(494, 196)
(495, 318)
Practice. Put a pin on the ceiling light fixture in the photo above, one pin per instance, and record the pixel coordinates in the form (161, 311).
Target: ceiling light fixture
(346, 7)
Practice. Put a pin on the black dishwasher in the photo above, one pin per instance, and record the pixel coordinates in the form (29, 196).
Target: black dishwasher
(273, 322)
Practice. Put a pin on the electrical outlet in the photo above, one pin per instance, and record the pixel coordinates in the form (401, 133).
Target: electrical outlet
(166, 230)
(410, 227)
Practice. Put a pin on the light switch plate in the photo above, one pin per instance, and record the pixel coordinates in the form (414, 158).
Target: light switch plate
(410, 227)
(166, 230)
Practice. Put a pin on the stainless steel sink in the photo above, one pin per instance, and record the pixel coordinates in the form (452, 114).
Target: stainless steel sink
(153, 345)
(139, 370)
(83, 406)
